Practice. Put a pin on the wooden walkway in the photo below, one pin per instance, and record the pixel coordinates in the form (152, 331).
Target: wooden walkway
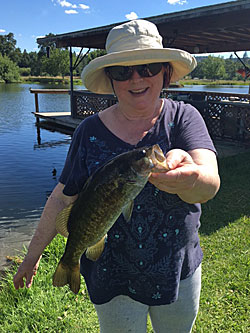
(58, 118)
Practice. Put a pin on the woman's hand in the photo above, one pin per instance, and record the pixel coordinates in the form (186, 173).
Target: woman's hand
(193, 175)
(27, 270)
(45, 232)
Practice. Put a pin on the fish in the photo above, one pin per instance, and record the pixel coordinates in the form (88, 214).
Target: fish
(109, 192)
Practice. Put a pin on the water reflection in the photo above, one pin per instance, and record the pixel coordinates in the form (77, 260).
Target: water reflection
(49, 127)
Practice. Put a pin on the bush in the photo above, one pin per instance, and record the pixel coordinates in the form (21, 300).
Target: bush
(24, 71)
(9, 71)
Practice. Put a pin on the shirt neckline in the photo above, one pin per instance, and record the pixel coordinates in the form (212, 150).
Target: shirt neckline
(140, 141)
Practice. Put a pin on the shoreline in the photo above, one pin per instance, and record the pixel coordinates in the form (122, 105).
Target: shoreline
(77, 80)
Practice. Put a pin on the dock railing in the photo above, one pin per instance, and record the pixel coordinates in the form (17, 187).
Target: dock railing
(227, 115)
(46, 91)
(86, 103)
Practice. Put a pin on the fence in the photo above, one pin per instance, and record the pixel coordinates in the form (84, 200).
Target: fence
(227, 115)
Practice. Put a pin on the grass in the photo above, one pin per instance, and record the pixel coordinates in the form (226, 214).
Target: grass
(50, 80)
(213, 82)
(225, 282)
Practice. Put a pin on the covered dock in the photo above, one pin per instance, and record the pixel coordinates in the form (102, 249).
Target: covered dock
(218, 28)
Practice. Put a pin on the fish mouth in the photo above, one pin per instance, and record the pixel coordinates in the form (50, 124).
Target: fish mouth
(156, 156)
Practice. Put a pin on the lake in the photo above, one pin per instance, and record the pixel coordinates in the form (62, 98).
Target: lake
(26, 164)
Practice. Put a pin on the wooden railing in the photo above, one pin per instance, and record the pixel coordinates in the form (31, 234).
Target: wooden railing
(46, 91)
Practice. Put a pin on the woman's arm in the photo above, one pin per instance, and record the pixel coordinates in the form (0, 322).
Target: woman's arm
(44, 234)
(193, 176)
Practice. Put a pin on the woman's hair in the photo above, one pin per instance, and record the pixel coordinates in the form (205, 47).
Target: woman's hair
(167, 75)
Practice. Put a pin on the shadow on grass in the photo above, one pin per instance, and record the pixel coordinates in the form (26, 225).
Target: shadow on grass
(233, 198)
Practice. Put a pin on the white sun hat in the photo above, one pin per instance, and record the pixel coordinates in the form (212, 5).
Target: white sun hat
(136, 42)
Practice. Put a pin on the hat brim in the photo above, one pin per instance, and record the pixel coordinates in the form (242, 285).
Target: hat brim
(95, 79)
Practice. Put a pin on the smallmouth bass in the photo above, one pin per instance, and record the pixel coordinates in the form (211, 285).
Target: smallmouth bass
(107, 193)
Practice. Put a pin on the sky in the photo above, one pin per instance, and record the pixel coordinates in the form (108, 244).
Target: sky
(30, 19)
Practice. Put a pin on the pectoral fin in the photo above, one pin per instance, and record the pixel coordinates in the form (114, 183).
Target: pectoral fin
(94, 252)
(127, 210)
(62, 221)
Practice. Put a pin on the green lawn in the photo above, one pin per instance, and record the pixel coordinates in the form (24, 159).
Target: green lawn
(225, 282)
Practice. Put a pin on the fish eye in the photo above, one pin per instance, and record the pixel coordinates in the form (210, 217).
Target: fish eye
(142, 153)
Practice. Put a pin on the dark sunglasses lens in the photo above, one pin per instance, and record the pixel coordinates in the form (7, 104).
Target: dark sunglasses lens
(123, 73)
(119, 73)
(154, 68)
(149, 70)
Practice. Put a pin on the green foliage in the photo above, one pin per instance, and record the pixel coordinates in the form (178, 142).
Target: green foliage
(218, 68)
(24, 71)
(44, 308)
(213, 68)
(7, 44)
(8, 70)
(90, 56)
(57, 63)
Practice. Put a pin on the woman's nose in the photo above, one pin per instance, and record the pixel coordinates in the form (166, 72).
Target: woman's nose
(135, 75)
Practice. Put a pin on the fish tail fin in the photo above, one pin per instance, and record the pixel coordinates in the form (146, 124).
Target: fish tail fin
(66, 274)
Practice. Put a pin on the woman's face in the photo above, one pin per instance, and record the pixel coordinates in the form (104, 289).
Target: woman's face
(139, 92)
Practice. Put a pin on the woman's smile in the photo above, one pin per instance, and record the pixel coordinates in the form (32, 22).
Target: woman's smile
(140, 91)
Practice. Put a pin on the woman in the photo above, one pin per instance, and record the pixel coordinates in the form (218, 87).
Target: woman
(151, 264)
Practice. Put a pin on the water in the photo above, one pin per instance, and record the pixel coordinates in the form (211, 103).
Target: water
(226, 88)
(26, 164)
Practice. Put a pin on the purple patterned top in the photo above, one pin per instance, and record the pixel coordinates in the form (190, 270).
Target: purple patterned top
(146, 257)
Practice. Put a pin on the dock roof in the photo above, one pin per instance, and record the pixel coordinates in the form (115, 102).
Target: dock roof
(218, 28)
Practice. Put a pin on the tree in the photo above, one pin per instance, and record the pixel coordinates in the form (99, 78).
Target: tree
(90, 56)
(24, 59)
(231, 67)
(57, 63)
(35, 64)
(214, 68)
(43, 47)
(7, 44)
(245, 56)
(8, 70)
(8, 47)
(198, 71)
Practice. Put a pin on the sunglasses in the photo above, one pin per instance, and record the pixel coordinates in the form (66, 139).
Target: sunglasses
(124, 73)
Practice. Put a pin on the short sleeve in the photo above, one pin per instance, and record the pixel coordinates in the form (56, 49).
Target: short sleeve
(75, 173)
(191, 131)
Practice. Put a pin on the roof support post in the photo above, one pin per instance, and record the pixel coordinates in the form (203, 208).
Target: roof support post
(71, 83)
